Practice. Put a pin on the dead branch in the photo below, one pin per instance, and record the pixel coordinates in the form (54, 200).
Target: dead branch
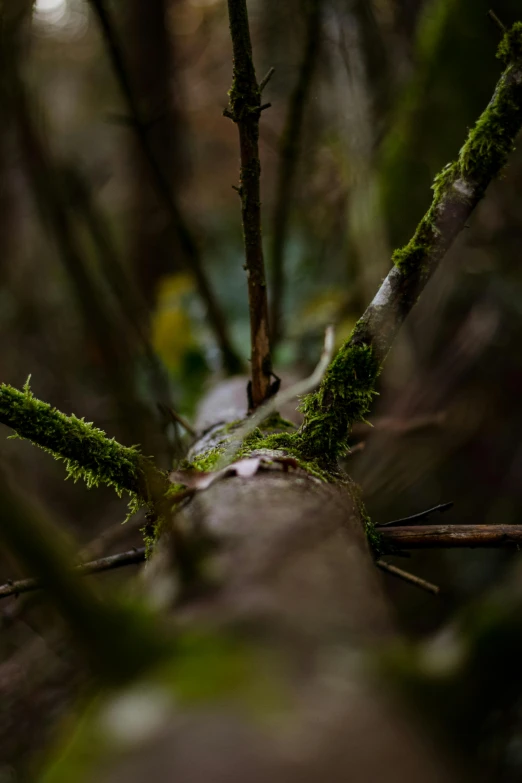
(415, 518)
(407, 577)
(245, 109)
(453, 536)
(109, 563)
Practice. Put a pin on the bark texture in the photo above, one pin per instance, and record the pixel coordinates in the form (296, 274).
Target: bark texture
(245, 109)
(298, 581)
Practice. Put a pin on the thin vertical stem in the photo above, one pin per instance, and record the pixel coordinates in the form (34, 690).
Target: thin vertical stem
(244, 109)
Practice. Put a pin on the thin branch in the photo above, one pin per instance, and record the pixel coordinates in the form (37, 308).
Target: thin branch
(94, 549)
(189, 245)
(109, 563)
(453, 536)
(415, 518)
(407, 577)
(245, 108)
(275, 403)
(119, 641)
(264, 81)
(494, 18)
(174, 416)
(395, 425)
(288, 159)
(347, 391)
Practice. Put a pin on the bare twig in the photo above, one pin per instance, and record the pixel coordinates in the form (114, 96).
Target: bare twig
(107, 539)
(415, 518)
(173, 415)
(109, 563)
(288, 159)
(396, 425)
(275, 403)
(264, 81)
(407, 577)
(453, 536)
(188, 244)
(494, 18)
(244, 109)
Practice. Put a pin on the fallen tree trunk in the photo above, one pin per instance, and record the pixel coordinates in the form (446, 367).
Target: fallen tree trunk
(292, 580)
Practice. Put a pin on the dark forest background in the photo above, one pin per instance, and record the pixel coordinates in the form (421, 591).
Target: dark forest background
(98, 305)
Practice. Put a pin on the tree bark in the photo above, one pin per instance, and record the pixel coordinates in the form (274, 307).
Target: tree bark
(297, 582)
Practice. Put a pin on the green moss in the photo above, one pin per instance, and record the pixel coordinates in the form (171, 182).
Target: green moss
(344, 397)
(86, 450)
(277, 422)
(230, 426)
(290, 443)
(490, 142)
(510, 48)
(375, 540)
(204, 462)
(412, 257)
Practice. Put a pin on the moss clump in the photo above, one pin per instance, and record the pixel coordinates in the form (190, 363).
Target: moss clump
(86, 450)
(344, 397)
(374, 538)
(510, 48)
(490, 142)
(412, 257)
(372, 534)
(277, 422)
(204, 462)
(290, 443)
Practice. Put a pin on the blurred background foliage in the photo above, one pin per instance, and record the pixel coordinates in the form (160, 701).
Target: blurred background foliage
(99, 304)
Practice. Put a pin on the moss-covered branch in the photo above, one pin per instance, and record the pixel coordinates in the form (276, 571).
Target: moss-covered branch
(347, 390)
(88, 453)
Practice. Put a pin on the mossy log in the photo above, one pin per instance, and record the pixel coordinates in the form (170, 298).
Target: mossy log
(276, 684)
(268, 677)
(292, 587)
